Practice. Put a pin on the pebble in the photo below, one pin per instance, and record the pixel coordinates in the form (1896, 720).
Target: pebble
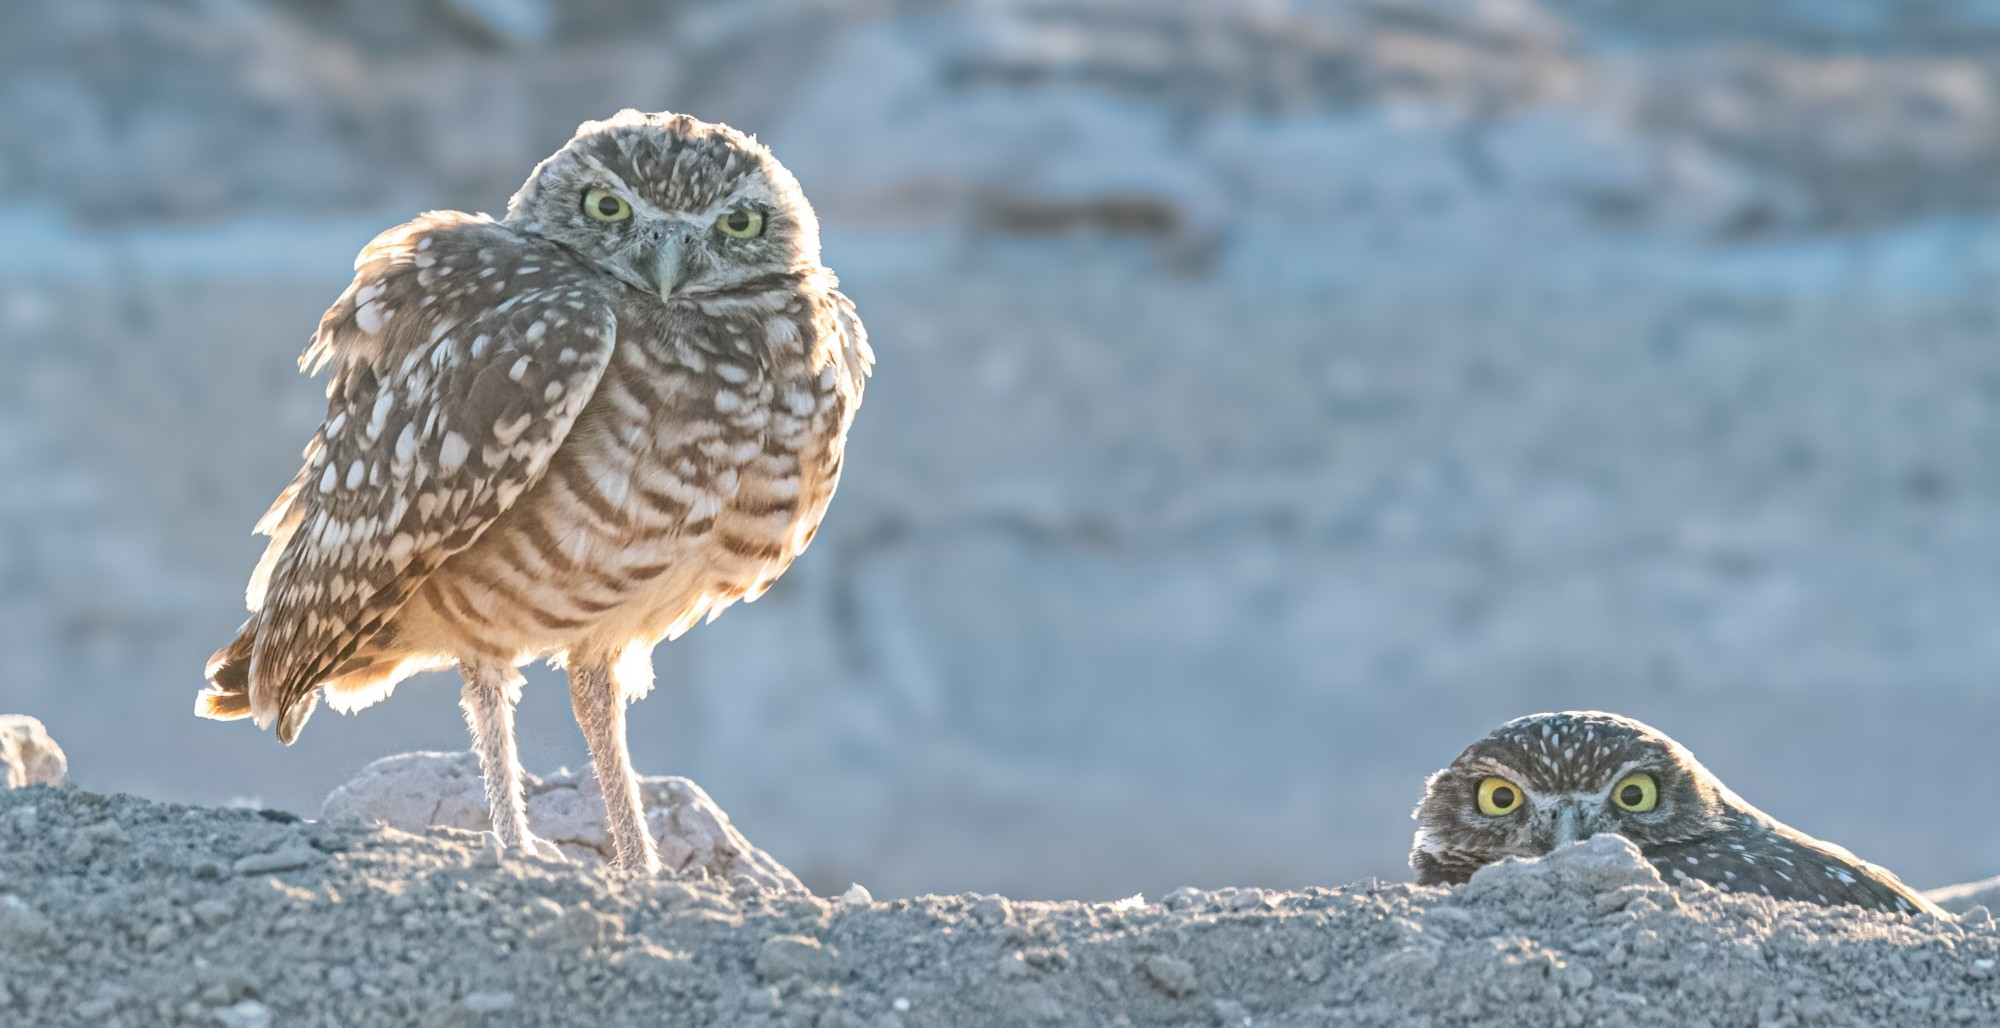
(488, 1002)
(22, 924)
(991, 910)
(1170, 975)
(289, 857)
(796, 956)
(247, 1014)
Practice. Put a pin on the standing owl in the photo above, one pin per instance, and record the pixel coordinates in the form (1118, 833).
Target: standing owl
(567, 434)
(1544, 780)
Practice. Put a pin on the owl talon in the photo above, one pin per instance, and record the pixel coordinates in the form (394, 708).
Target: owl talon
(544, 849)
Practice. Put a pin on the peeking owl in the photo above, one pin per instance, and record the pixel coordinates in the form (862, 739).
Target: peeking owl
(1542, 781)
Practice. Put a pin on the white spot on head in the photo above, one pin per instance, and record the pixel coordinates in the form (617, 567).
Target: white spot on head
(732, 373)
(520, 367)
(728, 402)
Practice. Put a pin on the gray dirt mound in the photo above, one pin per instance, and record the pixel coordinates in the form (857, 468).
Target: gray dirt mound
(118, 911)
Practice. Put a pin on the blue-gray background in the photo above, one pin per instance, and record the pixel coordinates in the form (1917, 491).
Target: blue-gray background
(1272, 398)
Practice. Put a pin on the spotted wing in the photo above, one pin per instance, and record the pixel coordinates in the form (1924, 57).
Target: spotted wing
(462, 354)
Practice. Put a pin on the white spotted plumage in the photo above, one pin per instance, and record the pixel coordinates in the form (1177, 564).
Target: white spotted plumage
(615, 428)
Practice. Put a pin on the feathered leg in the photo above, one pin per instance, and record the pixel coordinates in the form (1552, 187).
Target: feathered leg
(600, 709)
(491, 691)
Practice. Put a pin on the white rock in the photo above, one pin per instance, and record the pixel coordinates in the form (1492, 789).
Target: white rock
(247, 1014)
(415, 791)
(1961, 898)
(27, 755)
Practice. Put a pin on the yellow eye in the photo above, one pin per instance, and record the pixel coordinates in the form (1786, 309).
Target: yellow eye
(1498, 796)
(743, 224)
(605, 205)
(1636, 792)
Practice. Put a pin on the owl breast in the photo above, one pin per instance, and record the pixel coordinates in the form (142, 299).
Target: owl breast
(697, 472)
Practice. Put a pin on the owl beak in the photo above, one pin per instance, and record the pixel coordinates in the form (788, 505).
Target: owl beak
(672, 260)
(1570, 821)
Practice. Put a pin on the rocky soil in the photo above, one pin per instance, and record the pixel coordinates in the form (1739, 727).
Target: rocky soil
(119, 911)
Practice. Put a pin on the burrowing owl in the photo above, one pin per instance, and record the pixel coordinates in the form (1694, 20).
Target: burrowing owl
(1547, 779)
(570, 433)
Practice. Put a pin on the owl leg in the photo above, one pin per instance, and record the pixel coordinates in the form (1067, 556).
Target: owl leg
(490, 693)
(595, 694)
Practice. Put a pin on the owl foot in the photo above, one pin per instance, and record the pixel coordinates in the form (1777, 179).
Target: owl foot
(543, 848)
(530, 845)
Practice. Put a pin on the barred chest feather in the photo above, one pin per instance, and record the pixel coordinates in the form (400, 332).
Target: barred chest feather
(697, 472)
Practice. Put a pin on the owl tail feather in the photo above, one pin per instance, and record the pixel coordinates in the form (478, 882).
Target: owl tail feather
(227, 697)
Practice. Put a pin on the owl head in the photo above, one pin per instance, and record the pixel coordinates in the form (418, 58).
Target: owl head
(670, 205)
(1544, 780)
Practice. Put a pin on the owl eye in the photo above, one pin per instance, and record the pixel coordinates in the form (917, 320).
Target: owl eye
(1498, 796)
(605, 205)
(1636, 792)
(743, 224)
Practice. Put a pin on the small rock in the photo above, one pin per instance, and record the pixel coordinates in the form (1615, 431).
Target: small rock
(289, 857)
(1229, 1012)
(488, 1002)
(212, 912)
(1040, 1005)
(583, 928)
(857, 896)
(95, 1009)
(22, 924)
(991, 910)
(796, 956)
(1170, 975)
(27, 755)
(247, 1014)
(1186, 897)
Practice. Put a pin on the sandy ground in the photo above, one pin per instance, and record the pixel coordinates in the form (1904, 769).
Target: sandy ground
(1142, 574)
(119, 911)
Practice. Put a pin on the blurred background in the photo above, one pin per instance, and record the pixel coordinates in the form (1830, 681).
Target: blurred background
(1273, 397)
